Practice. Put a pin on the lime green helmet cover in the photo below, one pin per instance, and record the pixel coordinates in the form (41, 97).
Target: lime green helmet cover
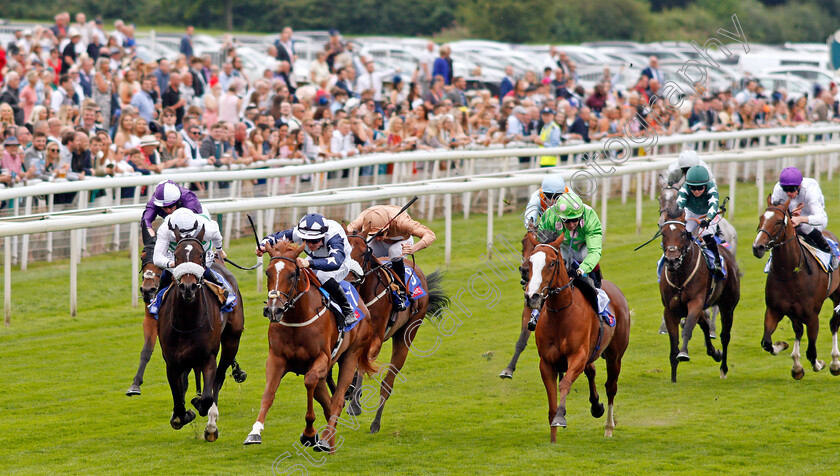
(697, 175)
(569, 206)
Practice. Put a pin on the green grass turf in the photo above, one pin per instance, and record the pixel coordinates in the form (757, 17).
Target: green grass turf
(63, 408)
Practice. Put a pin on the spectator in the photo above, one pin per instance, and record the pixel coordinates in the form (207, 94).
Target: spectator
(748, 93)
(372, 80)
(186, 48)
(458, 92)
(143, 101)
(425, 67)
(436, 92)
(10, 95)
(12, 161)
(216, 146)
(516, 125)
(162, 74)
(443, 65)
(319, 70)
(652, 70)
(580, 126)
(171, 98)
(285, 46)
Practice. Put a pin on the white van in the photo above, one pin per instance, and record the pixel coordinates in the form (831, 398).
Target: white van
(758, 62)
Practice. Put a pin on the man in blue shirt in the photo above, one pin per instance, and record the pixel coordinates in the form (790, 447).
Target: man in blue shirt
(186, 44)
(143, 101)
(443, 65)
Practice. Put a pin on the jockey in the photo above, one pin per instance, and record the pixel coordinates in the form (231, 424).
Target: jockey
(393, 238)
(677, 170)
(553, 185)
(811, 219)
(328, 254)
(699, 197)
(168, 197)
(188, 224)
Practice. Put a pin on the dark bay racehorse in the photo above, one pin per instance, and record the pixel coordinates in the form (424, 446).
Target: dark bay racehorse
(148, 288)
(401, 327)
(191, 328)
(796, 287)
(570, 335)
(524, 333)
(301, 338)
(687, 288)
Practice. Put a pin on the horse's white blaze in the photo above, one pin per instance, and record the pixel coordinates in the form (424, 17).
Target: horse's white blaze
(212, 416)
(189, 249)
(768, 215)
(537, 265)
(672, 227)
(257, 428)
(279, 265)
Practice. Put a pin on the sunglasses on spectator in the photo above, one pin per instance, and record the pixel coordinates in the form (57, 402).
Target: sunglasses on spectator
(52, 149)
(790, 188)
(194, 132)
(696, 188)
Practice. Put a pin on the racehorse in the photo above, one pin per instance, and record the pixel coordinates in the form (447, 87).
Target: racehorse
(791, 292)
(524, 333)
(668, 201)
(687, 288)
(191, 327)
(148, 288)
(570, 335)
(301, 341)
(401, 327)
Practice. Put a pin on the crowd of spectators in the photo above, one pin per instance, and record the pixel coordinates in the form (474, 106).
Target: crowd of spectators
(77, 101)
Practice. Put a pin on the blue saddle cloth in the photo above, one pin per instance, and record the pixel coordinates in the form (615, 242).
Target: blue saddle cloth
(352, 297)
(230, 301)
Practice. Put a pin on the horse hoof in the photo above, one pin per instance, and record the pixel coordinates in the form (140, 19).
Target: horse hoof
(253, 440)
(716, 355)
(354, 409)
(308, 440)
(239, 376)
(196, 402)
(834, 368)
(190, 416)
(722, 373)
(211, 436)
(712, 335)
(176, 422)
(597, 410)
(797, 374)
(374, 427)
(322, 446)
(819, 365)
(506, 373)
(683, 357)
(608, 433)
(133, 390)
(559, 420)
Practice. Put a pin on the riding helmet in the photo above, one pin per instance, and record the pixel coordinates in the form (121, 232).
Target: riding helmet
(790, 176)
(167, 194)
(183, 220)
(569, 206)
(553, 183)
(312, 226)
(688, 158)
(697, 175)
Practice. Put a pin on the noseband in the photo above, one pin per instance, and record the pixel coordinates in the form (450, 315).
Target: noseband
(773, 241)
(292, 296)
(548, 289)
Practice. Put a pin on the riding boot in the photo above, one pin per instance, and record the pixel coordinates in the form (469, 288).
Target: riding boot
(532, 323)
(210, 276)
(165, 281)
(595, 274)
(401, 302)
(816, 237)
(711, 244)
(337, 295)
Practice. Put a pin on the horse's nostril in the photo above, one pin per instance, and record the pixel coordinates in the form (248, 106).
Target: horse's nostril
(266, 312)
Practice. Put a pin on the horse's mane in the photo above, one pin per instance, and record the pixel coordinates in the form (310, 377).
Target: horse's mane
(674, 212)
(283, 246)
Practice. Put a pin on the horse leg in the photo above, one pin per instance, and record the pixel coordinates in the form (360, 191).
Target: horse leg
(576, 365)
(375, 347)
(208, 371)
(672, 324)
(707, 338)
(230, 347)
(811, 352)
(711, 314)
(690, 321)
(521, 343)
(354, 408)
(346, 372)
(726, 317)
(772, 318)
(549, 378)
(149, 338)
(797, 371)
(180, 415)
(613, 369)
(596, 408)
(275, 369)
(399, 352)
(330, 381)
(196, 400)
(834, 324)
(317, 372)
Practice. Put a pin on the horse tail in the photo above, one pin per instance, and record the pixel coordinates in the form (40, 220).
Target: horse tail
(437, 296)
(366, 365)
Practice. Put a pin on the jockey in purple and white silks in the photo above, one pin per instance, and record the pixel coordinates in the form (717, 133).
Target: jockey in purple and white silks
(167, 198)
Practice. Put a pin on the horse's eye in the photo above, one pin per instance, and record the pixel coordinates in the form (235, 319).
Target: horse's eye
(552, 264)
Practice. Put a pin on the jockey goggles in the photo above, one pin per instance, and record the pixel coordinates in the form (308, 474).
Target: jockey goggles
(790, 188)
(571, 220)
(552, 196)
(696, 188)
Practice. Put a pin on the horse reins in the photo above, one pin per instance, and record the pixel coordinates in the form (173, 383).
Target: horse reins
(548, 290)
(200, 291)
(290, 300)
(680, 289)
(773, 241)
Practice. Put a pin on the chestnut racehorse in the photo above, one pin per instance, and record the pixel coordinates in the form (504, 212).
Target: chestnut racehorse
(301, 338)
(687, 288)
(796, 287)
(570, 335)
(149, 288)
(191, 327)
(524, 333)
(401, 329)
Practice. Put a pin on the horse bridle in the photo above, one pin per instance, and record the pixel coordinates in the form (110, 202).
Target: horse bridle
(548, 289)
(291, 297)
(200, 247)
(200, 284)
(773, 241)
(682, 250)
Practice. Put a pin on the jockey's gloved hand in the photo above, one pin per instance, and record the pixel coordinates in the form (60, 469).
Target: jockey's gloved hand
(268, 241)
(704, 223)
(579, 272)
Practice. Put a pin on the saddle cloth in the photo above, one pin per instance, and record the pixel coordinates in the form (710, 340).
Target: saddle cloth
(225, 295)
(598, 298)
(352, 297)
(415, 287)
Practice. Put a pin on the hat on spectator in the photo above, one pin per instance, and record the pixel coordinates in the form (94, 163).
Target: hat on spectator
(519, 110)
(546, 80)
(11, 140)
(154, 127)
(74, 32)
(115, 50)
(397, 79)
(351, 103)
(547, 110)
(148, 140)
(27, 32)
